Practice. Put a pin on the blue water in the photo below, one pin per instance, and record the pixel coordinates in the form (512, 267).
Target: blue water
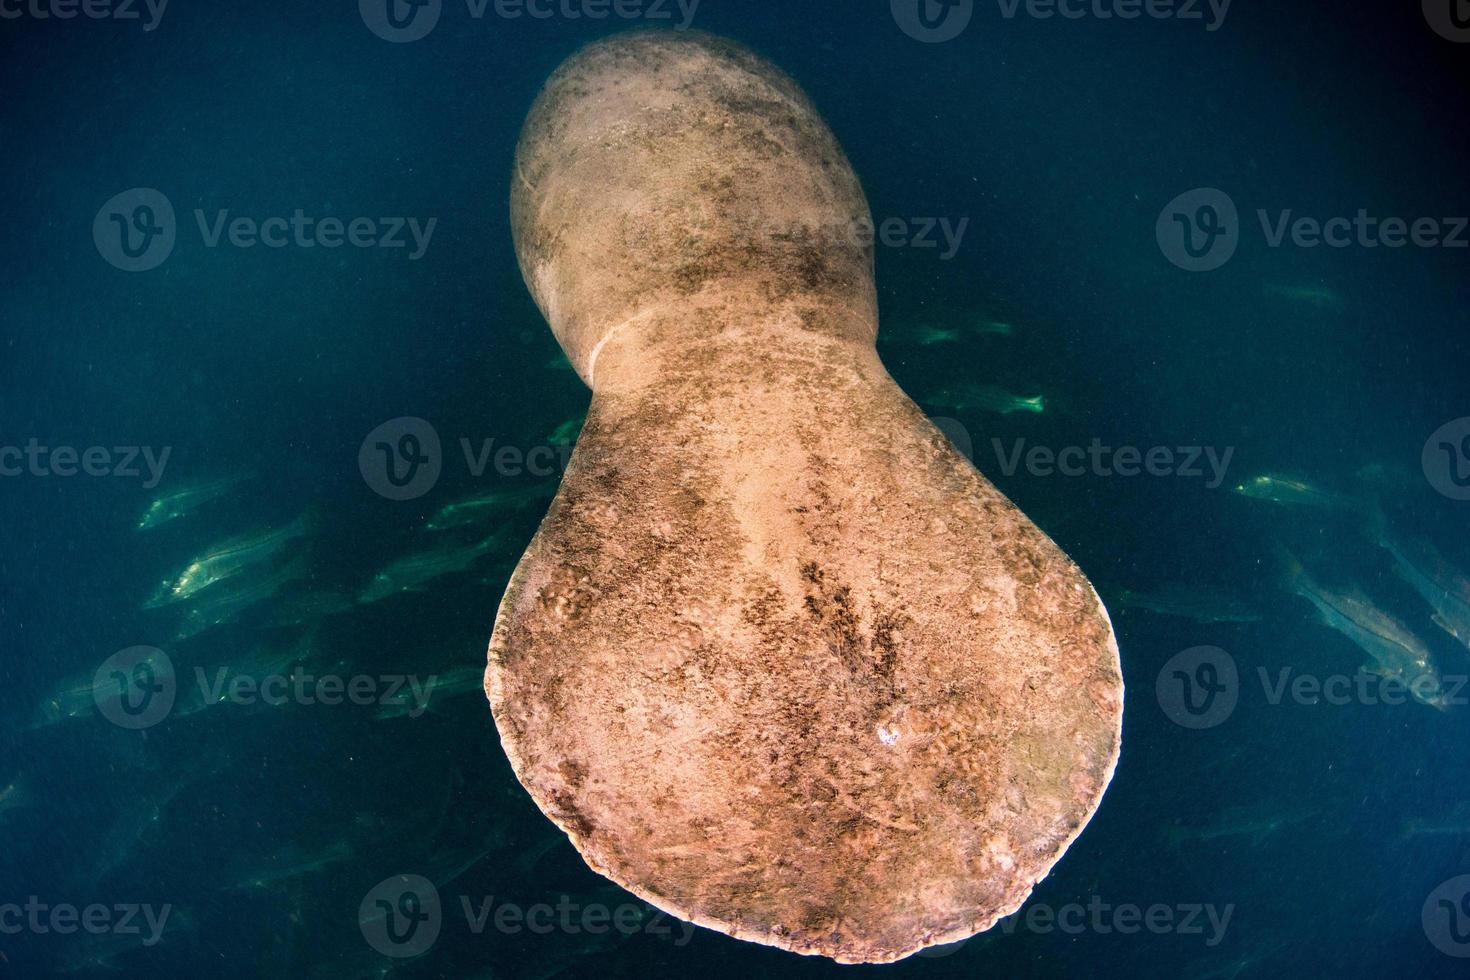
(1057, 143)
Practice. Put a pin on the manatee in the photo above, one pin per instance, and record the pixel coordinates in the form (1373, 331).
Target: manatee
(779, 660)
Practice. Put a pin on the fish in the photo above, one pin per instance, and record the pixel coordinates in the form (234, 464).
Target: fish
(437, 690)
(1256, 821)
(290, 863)
(1395, 651)
(1319, 296)
(354, 964)
(230, 558)
(213, 685)
(1444, 587)
(184, 501)
(198, 698)
(1202, 969)
(1456, 823)
(475, 509)
(567, 431)
(73, 698)
(137, 823)
(445, 869)
(307, 608)
(1291, 492)
(928, 334)
(93, 951)
(79, 695)
(142, 816)
(559, 363)
(970, 396)
(1198, 605)
(221, 606)
(1387, 478)
(412, 572)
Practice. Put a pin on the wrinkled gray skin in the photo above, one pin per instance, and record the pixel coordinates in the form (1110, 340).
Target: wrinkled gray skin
(779, 660)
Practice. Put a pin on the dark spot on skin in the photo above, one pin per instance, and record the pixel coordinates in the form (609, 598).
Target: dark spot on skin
(885, 645)
(565, 810)
(573, 772)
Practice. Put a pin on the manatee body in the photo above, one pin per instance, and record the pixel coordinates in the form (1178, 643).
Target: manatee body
(779, 660)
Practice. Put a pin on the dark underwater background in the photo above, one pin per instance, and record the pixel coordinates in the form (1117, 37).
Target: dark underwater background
(1329, 831)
